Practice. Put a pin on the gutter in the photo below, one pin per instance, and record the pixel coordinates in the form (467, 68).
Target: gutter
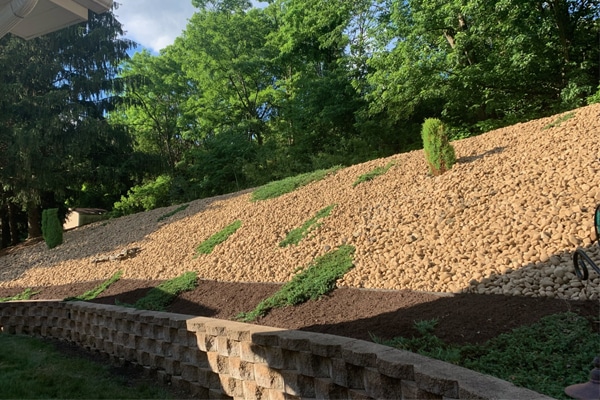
(13, 13)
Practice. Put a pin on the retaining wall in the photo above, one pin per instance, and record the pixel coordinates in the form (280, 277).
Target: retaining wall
(214, 358)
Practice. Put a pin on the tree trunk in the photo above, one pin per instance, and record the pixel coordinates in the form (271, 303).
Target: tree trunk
(4, 227)
(34, 225)
(12, 221)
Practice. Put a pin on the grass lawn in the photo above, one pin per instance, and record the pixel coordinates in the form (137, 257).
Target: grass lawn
(31, 368)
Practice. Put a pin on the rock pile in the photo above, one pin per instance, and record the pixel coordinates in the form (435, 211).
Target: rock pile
(506, 219)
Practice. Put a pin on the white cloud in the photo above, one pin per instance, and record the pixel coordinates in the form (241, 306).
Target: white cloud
(155, 24)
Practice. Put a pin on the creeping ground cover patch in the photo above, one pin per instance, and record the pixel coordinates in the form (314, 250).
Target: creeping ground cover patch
(171, 213)
(287, 185)
(369, 176)
(315, 281)
(209, 244)
(95, 292)
(296, 235)
(545, 357)
(159, 298)
(24, 295)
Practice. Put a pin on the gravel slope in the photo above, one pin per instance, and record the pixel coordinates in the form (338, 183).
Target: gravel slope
(504, 220)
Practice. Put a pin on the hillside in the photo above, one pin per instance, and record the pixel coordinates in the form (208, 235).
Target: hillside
(504, 220)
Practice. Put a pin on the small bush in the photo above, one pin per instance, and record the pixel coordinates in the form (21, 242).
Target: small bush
(296, 235)
(439, 153)
(52, 229)
(595, 98)
(209, 244)
(145, 197)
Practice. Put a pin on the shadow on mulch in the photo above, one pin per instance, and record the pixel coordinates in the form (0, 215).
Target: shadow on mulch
(355, 313)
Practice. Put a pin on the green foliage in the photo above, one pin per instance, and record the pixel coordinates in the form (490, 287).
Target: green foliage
(369, 176)
(287, 185)
(439, 153)
(145, 197)
(209, 244)
(34, 369)
(95, 292)
(171, 213)
(595, 98)
(296, 235)
(56, 90)
(52, 229)
(159, 298)
(316, 280)
(545, 357)
(24, 295)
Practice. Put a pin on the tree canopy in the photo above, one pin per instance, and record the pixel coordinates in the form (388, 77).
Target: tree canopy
(246, 95)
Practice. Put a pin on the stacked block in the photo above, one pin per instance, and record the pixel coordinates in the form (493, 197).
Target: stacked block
(220, 359)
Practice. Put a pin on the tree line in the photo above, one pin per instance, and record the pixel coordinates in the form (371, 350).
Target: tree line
(248, 95)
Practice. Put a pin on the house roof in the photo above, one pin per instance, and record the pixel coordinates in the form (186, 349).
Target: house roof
(32, 18)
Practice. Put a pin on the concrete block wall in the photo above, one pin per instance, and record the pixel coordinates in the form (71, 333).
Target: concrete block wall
(217, 359)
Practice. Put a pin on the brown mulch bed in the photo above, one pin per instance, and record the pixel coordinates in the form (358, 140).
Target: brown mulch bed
(356, 313)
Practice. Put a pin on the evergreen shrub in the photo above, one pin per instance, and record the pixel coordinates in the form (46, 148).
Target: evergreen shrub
(52, 229)
(439, 153)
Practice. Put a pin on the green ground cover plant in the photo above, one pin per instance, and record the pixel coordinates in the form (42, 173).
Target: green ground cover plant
(296, 235)
(287, 185)
(171, 213)
(369, 176)
(209, 244)
(545, 357)
(95, 292)
(159, 298)
(34, 369)
(559, 120)
(315, 281)
(24, 295)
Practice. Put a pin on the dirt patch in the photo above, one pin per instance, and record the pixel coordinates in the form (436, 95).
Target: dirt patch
(355, 313)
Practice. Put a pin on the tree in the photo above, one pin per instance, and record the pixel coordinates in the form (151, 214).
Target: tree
(154, 108)
(473, 61)
(55, 96)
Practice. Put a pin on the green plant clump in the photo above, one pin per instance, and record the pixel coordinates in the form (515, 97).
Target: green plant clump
(24, 295)
(315, 281)
(296, 235)
(545, 357)
(52, 229)
(369, 176)
(34, 369)
(559, 120)
(287, 185)
(439, 153)
(95, 292)
(209, 244)
(171, 213)
(159, 298)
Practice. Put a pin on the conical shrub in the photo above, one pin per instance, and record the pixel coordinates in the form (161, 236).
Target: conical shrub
(52, 229)
(439, 153)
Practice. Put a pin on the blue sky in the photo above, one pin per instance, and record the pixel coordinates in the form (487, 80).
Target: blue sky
(154, 24)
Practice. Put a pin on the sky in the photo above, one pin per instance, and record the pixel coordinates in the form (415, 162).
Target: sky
(154, 24)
